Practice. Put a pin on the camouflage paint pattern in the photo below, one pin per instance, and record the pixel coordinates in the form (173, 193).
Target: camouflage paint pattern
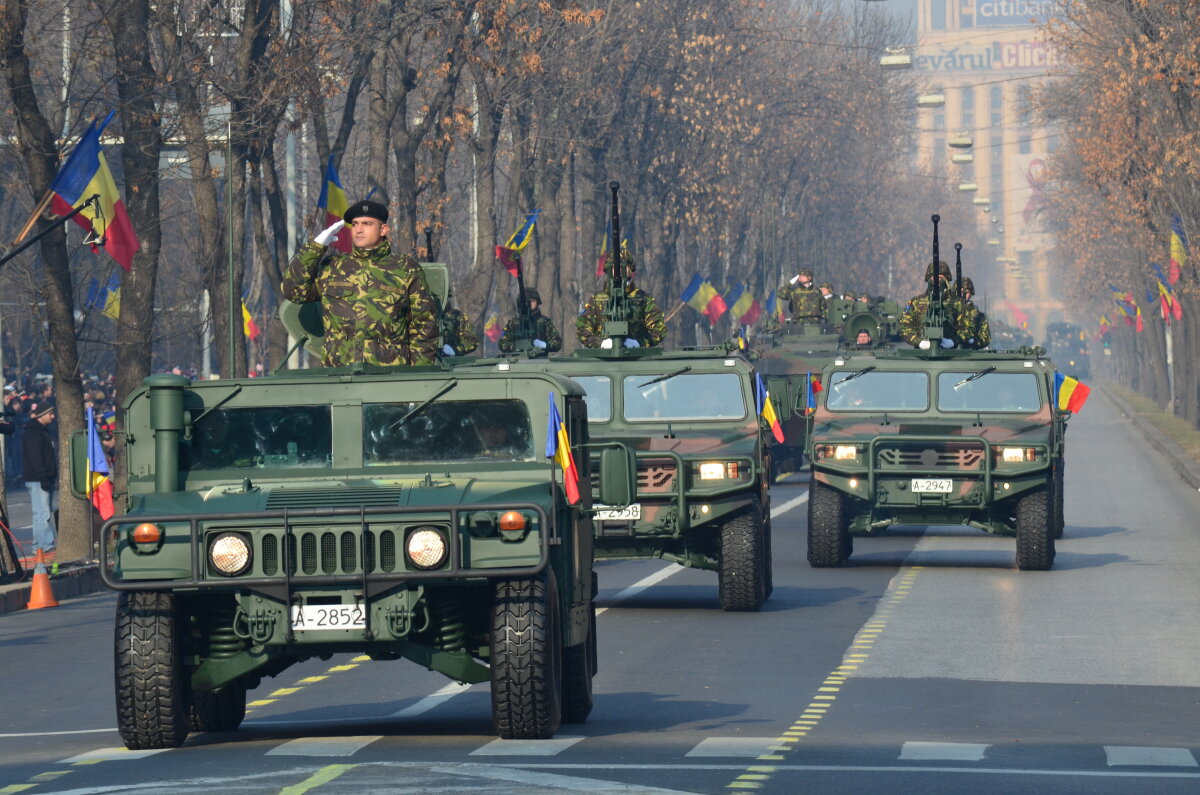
(646, 325)
(461, 336)
(806, 303)
(544, 330)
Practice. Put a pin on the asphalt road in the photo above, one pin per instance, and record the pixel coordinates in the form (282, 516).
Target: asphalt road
(927, 665)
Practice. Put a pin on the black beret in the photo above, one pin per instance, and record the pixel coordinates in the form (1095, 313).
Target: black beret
(367, 209)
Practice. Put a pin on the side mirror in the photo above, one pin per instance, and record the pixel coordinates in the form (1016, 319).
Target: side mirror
(618, 477)
(79, 465)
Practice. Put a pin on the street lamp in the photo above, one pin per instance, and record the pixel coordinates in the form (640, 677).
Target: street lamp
(895, 58)
(984, 200)
(968, 187)
(960, 141)
(962, 158)
(934, 99)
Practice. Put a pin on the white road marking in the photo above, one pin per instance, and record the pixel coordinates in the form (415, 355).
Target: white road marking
(789, 505)
(429, 702)
(749, 747)
(115, 754)
(58, 734)
(526, 747)
(1139, 755)
(956, 752)
(323, 746)
(548, 781)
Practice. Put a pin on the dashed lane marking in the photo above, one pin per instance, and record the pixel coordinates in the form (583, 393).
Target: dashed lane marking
(955, 752)
(323, 746)
(322, 776)
(550, 747)
(115, 754)
(1123, 755)
(429, 702)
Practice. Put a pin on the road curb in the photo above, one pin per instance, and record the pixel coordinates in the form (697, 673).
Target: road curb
(65, 584)
(1180, 461)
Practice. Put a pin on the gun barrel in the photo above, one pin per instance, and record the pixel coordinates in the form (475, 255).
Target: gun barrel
(615, 243)
(429, 244)
(958, 268)
(937, 259)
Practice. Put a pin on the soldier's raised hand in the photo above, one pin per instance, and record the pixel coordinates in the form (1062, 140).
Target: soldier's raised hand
(539, 344)
(630, 342)
(327, 236)
(448, 351)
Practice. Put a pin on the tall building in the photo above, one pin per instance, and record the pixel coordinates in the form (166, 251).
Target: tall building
(984, 56)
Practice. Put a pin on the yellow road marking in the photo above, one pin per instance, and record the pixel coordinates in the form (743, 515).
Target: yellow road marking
(262, 702)
(322, 776)
(343, 667)
(18, 787)
(287, 691)
(309, 680)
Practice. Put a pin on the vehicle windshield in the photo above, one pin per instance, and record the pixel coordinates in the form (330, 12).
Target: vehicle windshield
(446, 432)
(856, 390)
(689, 396)
(990, 392)
(598, 397)
(276, 436)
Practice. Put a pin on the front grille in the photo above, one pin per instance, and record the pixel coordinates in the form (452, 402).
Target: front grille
(327, 552)
(948, 456)
(341, 497)
(653, 475)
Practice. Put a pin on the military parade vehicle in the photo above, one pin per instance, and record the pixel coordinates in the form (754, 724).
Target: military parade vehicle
(392, 512)
(1067, 346)
(937, 436)
(691, 419)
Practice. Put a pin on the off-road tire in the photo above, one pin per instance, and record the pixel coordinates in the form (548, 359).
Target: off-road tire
(741, 570)
(152, 709)
(829, 542)
(1035, 533)
(219, 711)
(1060, 519)
(526, 660)
(578, 669)
(768, 563)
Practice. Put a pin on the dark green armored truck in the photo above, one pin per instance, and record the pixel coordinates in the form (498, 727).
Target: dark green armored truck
(394, 513)
(937, 437)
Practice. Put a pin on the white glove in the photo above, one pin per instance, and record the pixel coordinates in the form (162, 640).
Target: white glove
(539, 344)
(607, 343)
(794, 279)
(327, 236)
(947, 342)
(448, 351)
(631, 343)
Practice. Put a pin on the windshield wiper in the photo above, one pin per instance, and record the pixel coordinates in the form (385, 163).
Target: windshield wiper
(974, 377)
(852, 376)
(664, 377)
(416, 409)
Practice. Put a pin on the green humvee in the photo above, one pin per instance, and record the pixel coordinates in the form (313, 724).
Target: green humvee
(937, 437)
(702, 487)
(392, 512)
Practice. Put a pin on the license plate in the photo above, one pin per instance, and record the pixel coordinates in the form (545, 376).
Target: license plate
(935, 485)
(311, 617)
(630, 513)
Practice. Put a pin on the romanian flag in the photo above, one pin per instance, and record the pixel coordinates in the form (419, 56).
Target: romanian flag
(604, 248)
(491, 328)
(766, 408)
(84, 175)
(1167, 298)
(558, 447)
(812, 385)
(1104, 328)
(107, 298)
(704, 298)
(742, 305)
(752, 314)
(1069, 394)
(333, 202)
(1019, 317)
(99, 485)
(249, 327)
(517, 241)
(1129, 308)
(775, 307)
(1179, 249)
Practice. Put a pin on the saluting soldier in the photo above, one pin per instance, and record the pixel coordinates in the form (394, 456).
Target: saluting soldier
(647, 327)
(804, 299)
(973, 328)
(912, 323)
(546, 337)
(458, 338)
(376, 305)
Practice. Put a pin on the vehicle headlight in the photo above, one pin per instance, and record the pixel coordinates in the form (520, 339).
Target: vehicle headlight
(845, 452)
(229, 554)
(713, 470)
(1015, 455)
(426, 548)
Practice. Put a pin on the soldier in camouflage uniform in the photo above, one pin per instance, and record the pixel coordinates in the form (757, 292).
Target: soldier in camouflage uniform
(375, 304)
(458, 338)
(647, 327)
(804, 299)
(912, 323)
(973, 328)
(544, 330)
(826, 289)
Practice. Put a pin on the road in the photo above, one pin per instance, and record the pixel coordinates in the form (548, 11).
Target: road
(927, 665)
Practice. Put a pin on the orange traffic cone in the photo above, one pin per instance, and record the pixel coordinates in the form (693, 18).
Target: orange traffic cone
(41, 595)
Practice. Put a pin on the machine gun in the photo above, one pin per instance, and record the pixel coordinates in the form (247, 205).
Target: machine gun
(935, 315)
(617, 310)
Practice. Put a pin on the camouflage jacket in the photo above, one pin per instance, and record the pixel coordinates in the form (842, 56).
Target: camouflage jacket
(807, 305)
(912, 323)
(544, 330)
(457, 332)
(376, 306)
(974, 331)
(646, 325)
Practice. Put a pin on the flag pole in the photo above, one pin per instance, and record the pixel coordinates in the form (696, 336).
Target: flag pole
(42, 205)
(674, 311)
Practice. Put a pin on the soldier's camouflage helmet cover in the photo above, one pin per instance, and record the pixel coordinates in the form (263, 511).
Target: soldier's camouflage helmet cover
(943, 269)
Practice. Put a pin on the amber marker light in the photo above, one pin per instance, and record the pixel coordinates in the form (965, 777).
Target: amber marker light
(147, 534)
(512, 520)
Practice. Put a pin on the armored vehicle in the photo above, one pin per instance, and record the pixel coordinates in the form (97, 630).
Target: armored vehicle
(396, 513)
(1067, 346)
(937, 436)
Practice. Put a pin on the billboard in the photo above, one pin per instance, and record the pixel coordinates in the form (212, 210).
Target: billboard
(995, 13)
(1004, 55)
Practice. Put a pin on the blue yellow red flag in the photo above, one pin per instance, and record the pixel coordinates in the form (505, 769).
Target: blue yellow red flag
(1069, 394)
(333, 201)
(99, 484)
(558, 447)
(1179, 248)
(766, 409)
(84, 175)
(492, 329)
(517, 241)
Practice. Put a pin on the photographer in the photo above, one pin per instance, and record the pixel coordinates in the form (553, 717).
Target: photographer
(41, 475)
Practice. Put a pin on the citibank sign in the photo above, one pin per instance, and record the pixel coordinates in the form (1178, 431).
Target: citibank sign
(1012, 12)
